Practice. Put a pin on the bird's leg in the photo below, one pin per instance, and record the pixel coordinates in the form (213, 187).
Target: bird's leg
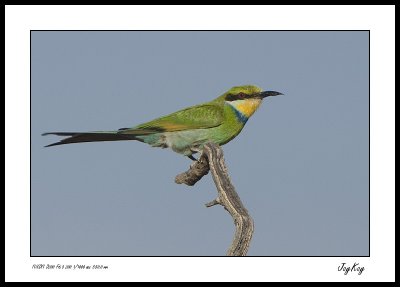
(192, 157)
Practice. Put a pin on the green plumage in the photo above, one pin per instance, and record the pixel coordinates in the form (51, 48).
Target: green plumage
(198, 117)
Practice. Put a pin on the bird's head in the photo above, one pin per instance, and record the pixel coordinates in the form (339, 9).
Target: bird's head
(247, 99)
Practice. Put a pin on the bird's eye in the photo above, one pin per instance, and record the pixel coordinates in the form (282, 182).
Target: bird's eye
(241, 96)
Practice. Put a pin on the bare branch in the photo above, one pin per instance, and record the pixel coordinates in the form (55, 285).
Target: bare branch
(213, 159)
(196, 171)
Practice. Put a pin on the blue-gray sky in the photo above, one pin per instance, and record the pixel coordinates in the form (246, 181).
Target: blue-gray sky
(300, 165)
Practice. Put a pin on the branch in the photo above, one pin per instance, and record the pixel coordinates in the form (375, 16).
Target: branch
(196, 171)
(212, 159)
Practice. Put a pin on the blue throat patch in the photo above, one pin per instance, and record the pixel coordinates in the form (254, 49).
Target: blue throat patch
(241, 117)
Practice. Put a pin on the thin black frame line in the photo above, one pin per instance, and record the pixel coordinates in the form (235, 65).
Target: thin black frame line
(369, 143)
(30, 144)
(199, 30)
(285, 256)
(200, 256)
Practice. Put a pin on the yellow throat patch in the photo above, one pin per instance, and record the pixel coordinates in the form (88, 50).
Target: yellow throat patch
(246, 107)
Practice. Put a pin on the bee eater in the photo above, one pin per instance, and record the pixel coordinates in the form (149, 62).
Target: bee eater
(187, 130)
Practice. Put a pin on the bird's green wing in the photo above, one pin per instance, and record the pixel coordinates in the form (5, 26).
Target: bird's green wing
(197, 117)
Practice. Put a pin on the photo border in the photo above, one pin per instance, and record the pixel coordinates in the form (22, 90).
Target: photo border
(250, 256)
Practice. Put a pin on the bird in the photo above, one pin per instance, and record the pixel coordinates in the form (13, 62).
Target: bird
(188, 130)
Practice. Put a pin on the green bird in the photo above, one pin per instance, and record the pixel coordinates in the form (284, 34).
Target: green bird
(187, 130)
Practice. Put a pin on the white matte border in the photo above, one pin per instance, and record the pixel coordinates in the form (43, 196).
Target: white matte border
(19, 20)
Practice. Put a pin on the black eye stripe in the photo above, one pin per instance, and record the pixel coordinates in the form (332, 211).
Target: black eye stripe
(234, 97)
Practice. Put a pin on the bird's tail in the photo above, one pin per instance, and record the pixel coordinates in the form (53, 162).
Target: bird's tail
(74, 137)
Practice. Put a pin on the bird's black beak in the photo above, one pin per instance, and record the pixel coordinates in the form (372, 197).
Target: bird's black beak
(269, 94)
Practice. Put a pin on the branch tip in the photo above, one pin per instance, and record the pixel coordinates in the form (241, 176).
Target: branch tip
(214, 202)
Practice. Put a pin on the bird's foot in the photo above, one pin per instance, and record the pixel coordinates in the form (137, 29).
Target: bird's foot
(195, 150)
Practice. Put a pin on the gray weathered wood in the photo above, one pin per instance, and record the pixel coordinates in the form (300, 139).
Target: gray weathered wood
(212, 159)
